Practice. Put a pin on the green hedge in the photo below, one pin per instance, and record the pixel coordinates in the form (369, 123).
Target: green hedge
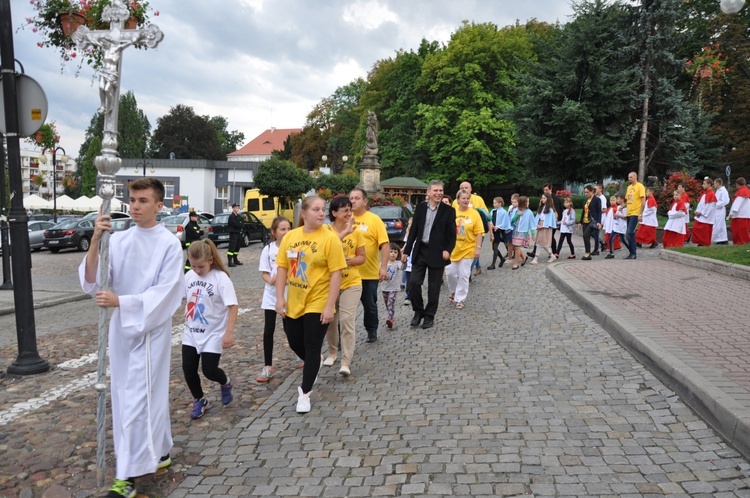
(578, 202)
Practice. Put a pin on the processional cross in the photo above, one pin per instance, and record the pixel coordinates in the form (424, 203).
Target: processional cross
(112, 42)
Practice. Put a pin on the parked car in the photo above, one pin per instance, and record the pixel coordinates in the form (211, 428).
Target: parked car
(210, 216)
(252, 229)
(396, 219)
(93, 215)
(40, 217)
(73, 233)
(177, 223)
(164, 214)
(36, 234)
(122, 224)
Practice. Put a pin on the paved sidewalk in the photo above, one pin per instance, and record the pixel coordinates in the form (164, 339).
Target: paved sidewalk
(688, 325)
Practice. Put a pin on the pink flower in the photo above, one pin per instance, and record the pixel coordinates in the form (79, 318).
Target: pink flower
(73, 54)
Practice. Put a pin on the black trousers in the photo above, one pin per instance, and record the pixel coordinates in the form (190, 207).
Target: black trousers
(589, 230)
(210, 362)
(234, 245)
(269, 327)
(305, 337)
(563, 238)
(435, 278)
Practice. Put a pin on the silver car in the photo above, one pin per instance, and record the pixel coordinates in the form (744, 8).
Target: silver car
(177, 223)
(36, 234)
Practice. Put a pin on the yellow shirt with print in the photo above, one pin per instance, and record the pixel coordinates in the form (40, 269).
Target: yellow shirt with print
(309, 259)
(350, 243)
(634, 197)
(475, 202)
(374, 234)
(468, 227)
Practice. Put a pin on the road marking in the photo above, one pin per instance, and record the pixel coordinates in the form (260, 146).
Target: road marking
(21, 408)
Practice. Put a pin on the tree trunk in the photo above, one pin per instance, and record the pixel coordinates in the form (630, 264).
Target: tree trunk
(644, 119)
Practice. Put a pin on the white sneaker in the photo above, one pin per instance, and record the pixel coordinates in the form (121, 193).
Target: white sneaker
(552, 259)
(329, 361)
(303, 401)
(345, 371)
(534, 261)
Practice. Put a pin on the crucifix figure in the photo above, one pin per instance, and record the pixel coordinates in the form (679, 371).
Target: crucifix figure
(112, 42)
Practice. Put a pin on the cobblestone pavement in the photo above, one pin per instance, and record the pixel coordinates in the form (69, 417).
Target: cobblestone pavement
(519, 394)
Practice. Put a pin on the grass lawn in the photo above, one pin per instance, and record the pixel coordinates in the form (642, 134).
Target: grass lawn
(731, 254)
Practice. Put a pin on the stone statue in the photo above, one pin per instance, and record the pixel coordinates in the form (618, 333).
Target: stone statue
(371, 149)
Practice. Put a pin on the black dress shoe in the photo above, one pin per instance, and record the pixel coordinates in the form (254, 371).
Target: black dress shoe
(428, 322)
(491, 267)
(586, 258)
(415, 321)
(238, 262)
(372, 337)
(655, 245)
(595, 253)
(629, 256)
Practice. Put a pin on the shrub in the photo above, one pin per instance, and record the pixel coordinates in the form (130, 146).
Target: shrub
(664, 197)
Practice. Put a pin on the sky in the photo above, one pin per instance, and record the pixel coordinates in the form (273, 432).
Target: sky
(259, 63)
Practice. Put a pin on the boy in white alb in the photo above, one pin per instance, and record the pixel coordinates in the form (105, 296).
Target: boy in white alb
(146, 277)
(719, 234)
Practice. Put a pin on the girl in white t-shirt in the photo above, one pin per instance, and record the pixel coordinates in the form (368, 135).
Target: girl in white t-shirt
(210, 317)
(267, 267)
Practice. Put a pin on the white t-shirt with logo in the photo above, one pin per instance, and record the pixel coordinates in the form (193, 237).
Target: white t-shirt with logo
(206, 310)
(268, 264)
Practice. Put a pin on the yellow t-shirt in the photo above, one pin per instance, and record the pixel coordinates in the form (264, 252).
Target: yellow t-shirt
(634, 197)
(374, 234)
(586, 210)
(350, 243)
(475, 202)
(309, 259)
(468, 227)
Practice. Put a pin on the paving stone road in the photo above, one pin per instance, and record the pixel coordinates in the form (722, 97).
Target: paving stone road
(519, 394)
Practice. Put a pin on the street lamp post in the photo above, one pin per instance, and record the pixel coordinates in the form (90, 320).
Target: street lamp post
(63, 158)
(144, 164)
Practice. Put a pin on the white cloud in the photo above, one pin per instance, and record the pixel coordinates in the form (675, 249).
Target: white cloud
(259, 63)
(368, 14)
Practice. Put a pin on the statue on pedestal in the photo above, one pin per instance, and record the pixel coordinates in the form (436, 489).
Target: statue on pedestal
(369, 170)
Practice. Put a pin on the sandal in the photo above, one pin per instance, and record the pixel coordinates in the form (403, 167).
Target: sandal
(460, 305)
(450, 298)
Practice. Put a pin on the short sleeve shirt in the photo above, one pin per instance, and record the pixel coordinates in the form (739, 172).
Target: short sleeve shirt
(634, 197)
(350, 243)
(374, 234)
(468, 226)
(309, 259)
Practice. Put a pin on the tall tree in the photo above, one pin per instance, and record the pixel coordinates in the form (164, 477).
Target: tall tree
(185, 134)
(469, 87)
(228, 140)
(133, 128)
(572, 116)
(87, 168)
(392, 94)
(279, 178)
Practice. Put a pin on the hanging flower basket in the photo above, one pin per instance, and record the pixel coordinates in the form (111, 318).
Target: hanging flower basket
(70, 22)
(131, 23)
(39, 137)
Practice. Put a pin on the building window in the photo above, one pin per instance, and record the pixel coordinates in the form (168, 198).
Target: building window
(168, 190)
(222, 192)
(119, 190)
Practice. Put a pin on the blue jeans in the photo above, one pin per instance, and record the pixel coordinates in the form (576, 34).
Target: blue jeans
(370, 304)
(632, 223)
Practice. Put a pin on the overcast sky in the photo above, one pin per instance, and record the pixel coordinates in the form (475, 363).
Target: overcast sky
(259, 63)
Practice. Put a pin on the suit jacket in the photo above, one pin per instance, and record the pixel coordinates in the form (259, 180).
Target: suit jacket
(595, 211)
(442, 235)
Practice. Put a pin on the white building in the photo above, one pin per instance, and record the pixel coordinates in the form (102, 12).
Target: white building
(34, 163)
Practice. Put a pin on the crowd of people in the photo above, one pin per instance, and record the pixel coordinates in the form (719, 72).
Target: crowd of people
(316, 275)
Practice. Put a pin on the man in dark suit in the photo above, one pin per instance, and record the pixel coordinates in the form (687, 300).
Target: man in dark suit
(430, 243)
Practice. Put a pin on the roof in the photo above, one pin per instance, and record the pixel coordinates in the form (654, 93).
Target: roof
(265, 143)
(404, 181)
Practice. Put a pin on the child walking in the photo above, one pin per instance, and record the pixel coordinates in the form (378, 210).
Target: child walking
(390, 286)
(210, 317)
(619, 227)
(513, 217)
(646, 234)
(525, 229)
(567, 225)
(674, 230)
(546, 221)
(267, 267)
(608, 223)
(499, 225)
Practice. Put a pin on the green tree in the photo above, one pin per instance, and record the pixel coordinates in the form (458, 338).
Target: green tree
(87, 168)
(187, 135)
(282, 179)
(393, 95)
(469, 88)
(574, 115)
(228, 140)
(133, 126)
